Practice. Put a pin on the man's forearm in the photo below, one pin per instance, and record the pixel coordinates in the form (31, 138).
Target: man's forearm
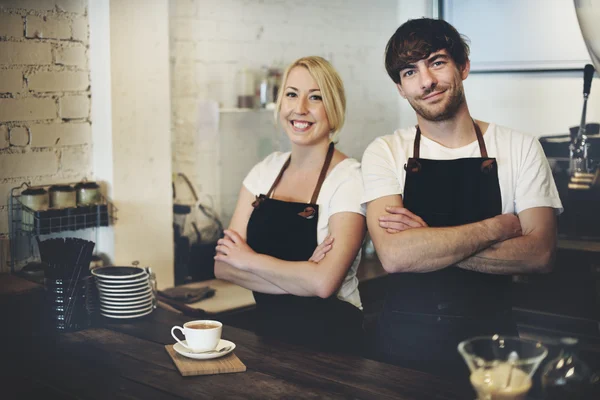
(431, 249)
(523, 254)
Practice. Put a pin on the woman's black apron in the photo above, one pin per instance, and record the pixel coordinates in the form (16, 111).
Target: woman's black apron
(288, 231)
(426, 315)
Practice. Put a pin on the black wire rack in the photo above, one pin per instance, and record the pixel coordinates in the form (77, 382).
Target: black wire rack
(26, 224)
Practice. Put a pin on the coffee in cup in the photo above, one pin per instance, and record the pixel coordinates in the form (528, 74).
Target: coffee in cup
(200, 335)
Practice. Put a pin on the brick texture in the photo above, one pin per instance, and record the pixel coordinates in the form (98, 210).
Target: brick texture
(73, 6)
(47, 27)
(4, 143)
(19, 136)
(79, 29)
(29, 164)
(74, 107)
(74, 55)
(11, 80)
(50, 135)
(25, 53)
(11, 25)
(75, 161)
(63, 81)
(40, 5)
(27, 109)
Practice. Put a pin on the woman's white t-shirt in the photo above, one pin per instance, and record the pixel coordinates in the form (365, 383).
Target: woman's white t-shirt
(342, 191)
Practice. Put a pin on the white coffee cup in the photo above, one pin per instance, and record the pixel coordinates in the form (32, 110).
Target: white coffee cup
(200, 335)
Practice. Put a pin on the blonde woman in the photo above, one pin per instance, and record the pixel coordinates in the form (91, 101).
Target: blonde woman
(296, 232)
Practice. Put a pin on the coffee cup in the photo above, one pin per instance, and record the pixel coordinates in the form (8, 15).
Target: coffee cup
(200, 335)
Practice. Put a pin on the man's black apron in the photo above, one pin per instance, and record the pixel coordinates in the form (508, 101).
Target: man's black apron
(288, 231)
(426, 315)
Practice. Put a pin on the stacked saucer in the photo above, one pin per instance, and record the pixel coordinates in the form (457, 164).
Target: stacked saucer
(124, 292)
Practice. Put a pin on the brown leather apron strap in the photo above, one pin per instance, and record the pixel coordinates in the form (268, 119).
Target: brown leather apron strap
(328, 157)
(417, 145)
(287, 164)
(482, 148)
(320, 181)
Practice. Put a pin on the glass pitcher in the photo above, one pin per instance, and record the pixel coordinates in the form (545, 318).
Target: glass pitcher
(502, 367)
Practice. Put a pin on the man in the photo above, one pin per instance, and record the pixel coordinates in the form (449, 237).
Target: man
(441, 203)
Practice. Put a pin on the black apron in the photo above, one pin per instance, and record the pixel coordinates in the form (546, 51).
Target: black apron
(288, 231)
(426, 315)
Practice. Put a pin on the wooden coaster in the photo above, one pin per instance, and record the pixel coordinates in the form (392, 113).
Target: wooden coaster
(189, 367)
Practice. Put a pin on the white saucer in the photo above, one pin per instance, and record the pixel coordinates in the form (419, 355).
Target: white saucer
(124, 299)
(143, 288)
(125, 303)
(133, 311)
(126, 316)
(199, 356)
(142, 283)
(129, 294)
(118, 272)
(122, 282)
(108, 307)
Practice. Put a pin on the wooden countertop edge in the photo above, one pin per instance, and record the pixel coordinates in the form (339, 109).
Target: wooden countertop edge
(577, 244)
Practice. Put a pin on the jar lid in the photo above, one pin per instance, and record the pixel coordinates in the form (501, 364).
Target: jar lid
(87, 185)
(61, 188)
(33, 192)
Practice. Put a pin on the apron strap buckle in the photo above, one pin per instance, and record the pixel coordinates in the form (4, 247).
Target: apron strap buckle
(412, 166)
(308, 213)
(258, 201)
(488, 166)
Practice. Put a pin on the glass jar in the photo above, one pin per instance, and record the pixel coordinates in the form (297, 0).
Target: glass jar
(567, 376)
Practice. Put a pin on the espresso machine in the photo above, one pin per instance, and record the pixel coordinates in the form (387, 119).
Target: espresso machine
(579, 183)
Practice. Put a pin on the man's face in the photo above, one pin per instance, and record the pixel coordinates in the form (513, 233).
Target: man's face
(433, 86)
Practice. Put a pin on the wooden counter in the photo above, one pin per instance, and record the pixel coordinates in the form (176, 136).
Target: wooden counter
(128, 360)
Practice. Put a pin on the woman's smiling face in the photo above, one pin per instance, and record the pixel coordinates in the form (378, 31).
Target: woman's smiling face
(302, 112)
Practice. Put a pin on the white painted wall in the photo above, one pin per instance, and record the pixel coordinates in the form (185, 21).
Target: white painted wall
(101, 111)
(141, 140)
(541, 103)
(212, 40)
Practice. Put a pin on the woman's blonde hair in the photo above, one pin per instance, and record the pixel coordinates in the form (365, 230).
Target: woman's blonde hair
(330, 85)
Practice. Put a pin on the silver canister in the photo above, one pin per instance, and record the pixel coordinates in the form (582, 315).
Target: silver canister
(34, 199)
(88, 193)
(62, 196)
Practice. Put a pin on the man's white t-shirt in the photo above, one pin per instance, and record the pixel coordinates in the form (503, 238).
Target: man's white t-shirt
(342, 191)
(524, 174)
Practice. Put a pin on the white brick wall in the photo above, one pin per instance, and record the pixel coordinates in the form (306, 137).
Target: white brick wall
(16, 165)
(4, 143)
(71, 107)
(58, 135)
(11, 25)
(30, 53)
(74, 55)
(60, 81)
(19, 136)
(11, 80)
(45, 134)
(73, 6)
(79, 29)
(47, 27)
(211, 40)
(27, 109)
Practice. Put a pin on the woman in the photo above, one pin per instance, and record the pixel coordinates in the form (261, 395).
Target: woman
(289, 203)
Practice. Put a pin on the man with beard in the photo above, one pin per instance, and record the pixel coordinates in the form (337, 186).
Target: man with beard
(455, 206)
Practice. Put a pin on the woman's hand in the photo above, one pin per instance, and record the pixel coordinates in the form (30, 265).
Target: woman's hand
(399, 219)
(322, 250)
(233, 250)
